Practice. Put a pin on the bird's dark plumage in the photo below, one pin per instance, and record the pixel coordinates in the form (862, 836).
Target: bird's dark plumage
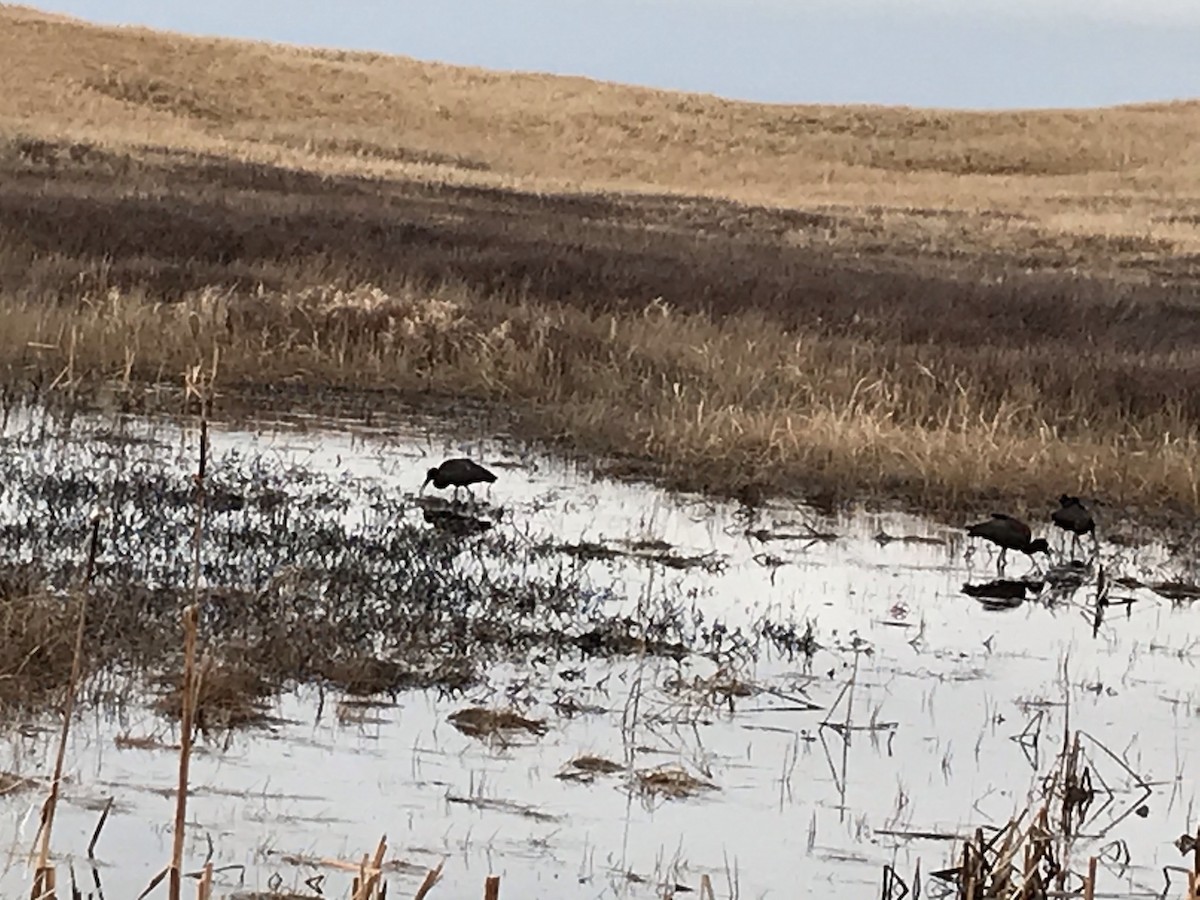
(460, 472)
(1073, 516)
(1009, 533)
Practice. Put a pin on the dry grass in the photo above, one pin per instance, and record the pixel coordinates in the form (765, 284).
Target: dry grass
(671, 782)
(230, 696)
(476, 721)
(737, 405)
(587, 767)
(948, 308)
(12, 783)
(36, 650)
(1065, 174)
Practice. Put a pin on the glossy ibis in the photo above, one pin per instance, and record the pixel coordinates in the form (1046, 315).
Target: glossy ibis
(1009, 533)
(1074, 517)
(460, 472)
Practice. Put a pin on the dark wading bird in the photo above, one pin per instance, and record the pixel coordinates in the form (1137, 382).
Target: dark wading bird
(460, 472)
(1074, 517)
(1008, 533)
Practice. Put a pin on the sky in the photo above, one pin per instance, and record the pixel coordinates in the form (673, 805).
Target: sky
(982, 54)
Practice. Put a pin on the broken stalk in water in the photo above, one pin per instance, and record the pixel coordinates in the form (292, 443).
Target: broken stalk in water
(44, 876)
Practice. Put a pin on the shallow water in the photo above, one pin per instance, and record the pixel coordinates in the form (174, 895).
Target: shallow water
(940, 687)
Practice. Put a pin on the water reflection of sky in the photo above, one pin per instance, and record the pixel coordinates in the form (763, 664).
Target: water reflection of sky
(946, 683)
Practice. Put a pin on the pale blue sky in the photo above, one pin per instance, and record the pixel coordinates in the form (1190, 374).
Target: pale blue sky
(957, 53)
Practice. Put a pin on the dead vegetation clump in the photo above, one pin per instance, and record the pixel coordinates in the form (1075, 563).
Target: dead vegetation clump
(297, 594)
(480, 722)
(587, 767)
(653, 551)
(598, 764)
(625, 637)
(723, 686)
(230, 696)
(1060, 844)
(671, 782)
(36, 649)
(12, 783)
(365, 676)
(126, 741)
(361, 711)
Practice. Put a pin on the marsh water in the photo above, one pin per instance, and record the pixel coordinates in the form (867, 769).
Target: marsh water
(905, 718)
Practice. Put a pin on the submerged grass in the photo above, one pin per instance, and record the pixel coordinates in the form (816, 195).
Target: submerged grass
(302, 580)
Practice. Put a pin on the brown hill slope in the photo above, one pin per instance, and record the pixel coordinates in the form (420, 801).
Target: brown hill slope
(379, 113)
(1108, 191)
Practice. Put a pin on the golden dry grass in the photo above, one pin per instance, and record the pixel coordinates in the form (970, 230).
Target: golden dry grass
(1059, 179)
(36, 638)
(949, 308)
(733, 404)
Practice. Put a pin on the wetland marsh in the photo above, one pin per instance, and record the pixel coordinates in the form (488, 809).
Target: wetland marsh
(610, 692)
(745, 374)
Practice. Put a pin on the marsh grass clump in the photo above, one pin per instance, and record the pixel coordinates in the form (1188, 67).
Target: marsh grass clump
(12, 783)
(36, 649)
(671, 782)
(230, 696)
(587, 768)
(489, 724)
(306, 578)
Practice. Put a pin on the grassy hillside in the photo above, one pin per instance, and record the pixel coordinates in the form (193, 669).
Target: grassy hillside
(1063, 188)
(946, 307)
